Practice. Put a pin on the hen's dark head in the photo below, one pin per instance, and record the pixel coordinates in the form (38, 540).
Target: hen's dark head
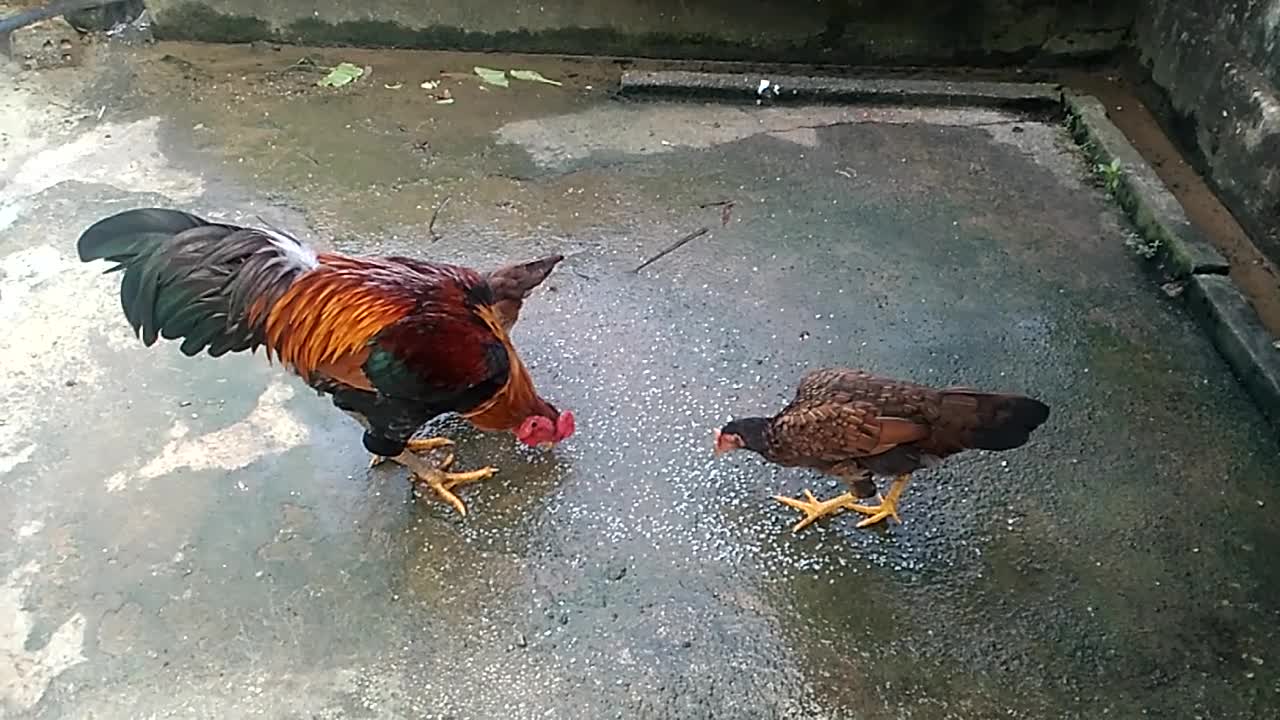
(743, 434)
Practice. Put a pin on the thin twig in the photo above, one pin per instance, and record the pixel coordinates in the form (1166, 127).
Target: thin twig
(431, 226)
(673, 247)
(717, 203)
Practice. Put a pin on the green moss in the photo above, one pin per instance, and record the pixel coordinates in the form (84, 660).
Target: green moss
(1176, 246)
(601, 41)
(194, 21)
(875, 39)
(1124, 363)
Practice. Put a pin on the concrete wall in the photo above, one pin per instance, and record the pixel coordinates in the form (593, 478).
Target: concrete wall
(845, 31)
(1218, 62)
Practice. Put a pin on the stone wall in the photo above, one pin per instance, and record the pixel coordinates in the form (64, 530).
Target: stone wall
(1218, 63)
(984, 32)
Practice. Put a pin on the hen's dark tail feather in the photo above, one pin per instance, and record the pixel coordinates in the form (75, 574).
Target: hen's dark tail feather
(1005, 422)
(186, 277)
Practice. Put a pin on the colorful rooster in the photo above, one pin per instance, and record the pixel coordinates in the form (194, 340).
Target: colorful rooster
(393, 341)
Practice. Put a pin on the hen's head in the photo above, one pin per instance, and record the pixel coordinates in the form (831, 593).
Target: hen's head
(747, 433)
(545, 429)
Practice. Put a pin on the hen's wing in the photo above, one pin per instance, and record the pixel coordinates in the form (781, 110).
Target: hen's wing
(939, 422)
(830, 432)
(840, 415)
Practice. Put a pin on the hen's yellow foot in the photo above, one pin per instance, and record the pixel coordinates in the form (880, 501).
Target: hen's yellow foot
(415, 445)
(888, 507)
(878, 513)
(815, 509)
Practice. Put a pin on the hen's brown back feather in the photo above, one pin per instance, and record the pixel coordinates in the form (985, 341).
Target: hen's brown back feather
(842, 414)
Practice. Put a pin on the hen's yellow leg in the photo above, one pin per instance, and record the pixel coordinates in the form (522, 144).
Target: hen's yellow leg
(888, 507)
(415, 445)
(815, 509)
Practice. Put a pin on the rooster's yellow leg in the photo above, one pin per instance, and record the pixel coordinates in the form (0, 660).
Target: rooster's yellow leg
(815, 509)
(415, 445)
(888, 507)
(442, 482)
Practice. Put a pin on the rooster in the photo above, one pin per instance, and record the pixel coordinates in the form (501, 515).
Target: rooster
(854, 425)
(393, 341)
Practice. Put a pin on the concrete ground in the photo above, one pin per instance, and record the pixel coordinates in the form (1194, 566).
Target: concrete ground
(199, 538)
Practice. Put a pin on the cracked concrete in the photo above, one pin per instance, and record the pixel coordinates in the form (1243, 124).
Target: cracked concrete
(191, 538)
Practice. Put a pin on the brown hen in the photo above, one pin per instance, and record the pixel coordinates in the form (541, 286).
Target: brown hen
(856, 426)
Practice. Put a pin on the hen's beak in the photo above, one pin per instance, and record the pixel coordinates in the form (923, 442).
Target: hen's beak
(545, 445)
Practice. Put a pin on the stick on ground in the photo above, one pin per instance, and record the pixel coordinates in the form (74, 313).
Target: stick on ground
(673, 247)
(431, 226)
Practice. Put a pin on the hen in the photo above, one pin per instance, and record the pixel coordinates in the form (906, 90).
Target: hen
(393, 341)
(855, 425)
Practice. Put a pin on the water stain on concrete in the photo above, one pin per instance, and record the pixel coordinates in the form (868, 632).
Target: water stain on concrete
(268, 429)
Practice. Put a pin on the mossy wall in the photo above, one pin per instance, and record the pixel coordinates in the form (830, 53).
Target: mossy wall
(1218, 63)
(984, 32)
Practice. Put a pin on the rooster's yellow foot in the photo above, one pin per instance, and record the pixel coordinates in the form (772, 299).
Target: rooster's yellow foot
(415, 445)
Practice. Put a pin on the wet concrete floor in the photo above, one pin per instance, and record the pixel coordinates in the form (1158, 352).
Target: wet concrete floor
(192, 538)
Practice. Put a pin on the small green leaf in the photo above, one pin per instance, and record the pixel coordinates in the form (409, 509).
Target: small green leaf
(493, 77)
(342, 74)
(533, 76)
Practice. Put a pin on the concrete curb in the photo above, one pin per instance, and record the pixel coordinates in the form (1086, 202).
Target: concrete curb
(1183, 250)
(1225, 314)
(1217, 305)
(731, 86)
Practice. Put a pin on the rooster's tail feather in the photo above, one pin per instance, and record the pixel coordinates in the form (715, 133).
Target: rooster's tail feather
(210, 284)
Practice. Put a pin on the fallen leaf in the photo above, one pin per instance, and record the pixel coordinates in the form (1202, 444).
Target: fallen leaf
(491, 76)
(396, 86)
(533, 76)
(445, 101)
(429, 84)
(342, 74)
